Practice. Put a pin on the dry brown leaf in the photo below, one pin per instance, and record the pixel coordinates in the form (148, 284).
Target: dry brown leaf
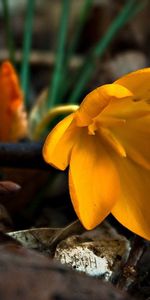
(8, 187)
(27, 275)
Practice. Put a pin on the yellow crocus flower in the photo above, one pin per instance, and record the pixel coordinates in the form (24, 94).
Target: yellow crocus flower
(106, 144)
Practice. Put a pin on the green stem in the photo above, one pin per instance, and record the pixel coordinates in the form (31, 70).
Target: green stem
(27, 40)
(57, 74)
(141, 5)
(74, 43)
(81, 22)
(9, 36)
(100, 48)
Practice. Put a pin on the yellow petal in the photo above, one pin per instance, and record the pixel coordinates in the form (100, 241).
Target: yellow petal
(124, 109)
(59, 142)
(97, 100)
(138, 83)
(108, 136)
(133, 207)
(93, 180)
(135, 138)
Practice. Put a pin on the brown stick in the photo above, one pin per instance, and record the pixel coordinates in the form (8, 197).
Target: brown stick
(22, 155)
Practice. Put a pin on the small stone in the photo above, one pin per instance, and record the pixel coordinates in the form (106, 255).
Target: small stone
(96, 257)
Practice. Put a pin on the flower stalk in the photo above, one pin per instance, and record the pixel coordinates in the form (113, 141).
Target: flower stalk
(27, 41)
(53, 91)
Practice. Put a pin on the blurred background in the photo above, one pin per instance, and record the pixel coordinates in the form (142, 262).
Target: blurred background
(72, 33)
(52, 53)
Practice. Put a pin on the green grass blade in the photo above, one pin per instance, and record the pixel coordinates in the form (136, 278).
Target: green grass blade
(81, 22)
(100, 48)
(83, 15)
(140, 6)
(27, 40)
(9, 36)
(53, 91)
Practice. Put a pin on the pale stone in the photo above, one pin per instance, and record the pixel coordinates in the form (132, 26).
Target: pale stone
(98, 257)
